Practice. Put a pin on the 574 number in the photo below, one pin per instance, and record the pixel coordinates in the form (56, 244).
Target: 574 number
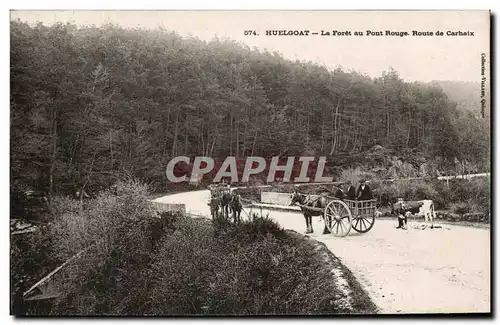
(250, 32)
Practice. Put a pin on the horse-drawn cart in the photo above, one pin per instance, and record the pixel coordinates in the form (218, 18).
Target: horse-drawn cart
(342, 215)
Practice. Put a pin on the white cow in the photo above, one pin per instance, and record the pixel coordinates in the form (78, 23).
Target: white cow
(421, 208)
(427, 210)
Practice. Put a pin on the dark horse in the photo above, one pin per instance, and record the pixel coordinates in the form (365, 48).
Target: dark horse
(236, 207)
(307, 201)
(214, 207)
(224, 203)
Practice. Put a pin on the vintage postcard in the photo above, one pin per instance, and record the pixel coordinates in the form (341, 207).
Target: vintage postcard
(250, 163)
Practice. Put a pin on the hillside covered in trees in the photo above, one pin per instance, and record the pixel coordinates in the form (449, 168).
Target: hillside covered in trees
(89, 105)
(467, 95)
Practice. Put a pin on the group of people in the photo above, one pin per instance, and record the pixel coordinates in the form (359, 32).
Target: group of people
(225, 201)
(347, 191)
(350, 193)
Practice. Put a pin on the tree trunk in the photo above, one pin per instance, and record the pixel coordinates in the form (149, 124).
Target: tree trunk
(174, 145)
(213, 143)
(408, 137)
(73, 151)
(130, 139)
(387, 118)
(186, 136)
(54, 153)
(322, 133)
(111, 146)
(166, 136)
(334, 136)
(346, 144)
(308, 130)
(82, 192)
(231, 135)
(202, 138)
(237, 138)
(254, 141)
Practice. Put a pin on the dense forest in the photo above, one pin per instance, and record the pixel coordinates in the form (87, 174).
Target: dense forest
(90, 105)
(467, 95)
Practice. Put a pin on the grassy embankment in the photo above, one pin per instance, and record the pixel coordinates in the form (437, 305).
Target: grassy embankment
(147, 263)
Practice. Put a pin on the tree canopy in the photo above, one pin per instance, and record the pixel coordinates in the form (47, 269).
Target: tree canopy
(89, 104)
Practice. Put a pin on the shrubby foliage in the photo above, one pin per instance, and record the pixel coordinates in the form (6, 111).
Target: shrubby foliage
(104, 220)
(139, 264)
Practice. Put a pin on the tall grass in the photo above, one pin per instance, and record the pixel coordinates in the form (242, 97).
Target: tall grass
(139, 262)
(254, 268)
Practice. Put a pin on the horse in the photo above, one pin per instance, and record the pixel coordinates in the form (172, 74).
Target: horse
(305, 200)
(224, 203)
(214, 207)
(236, 206)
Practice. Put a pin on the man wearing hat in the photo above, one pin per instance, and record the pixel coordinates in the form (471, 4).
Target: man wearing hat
(338, 192)
(403, 214)
(351, 191)
(364, 191)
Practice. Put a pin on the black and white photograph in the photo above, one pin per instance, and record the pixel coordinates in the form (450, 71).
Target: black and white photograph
(211, 163)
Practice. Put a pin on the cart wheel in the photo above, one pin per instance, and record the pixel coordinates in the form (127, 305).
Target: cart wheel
(363, 224)
(337, 217)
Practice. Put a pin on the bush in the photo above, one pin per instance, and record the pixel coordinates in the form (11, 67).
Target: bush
(460, 208)
(250, 231)
(443, 198)
(114, 277)
(195, 268)
(386, 193)
(31, 258)
(409, 190)
(123, 207)
(61, 205)
(474, 192)
(118, 232)
(253, 268)
(423, 190)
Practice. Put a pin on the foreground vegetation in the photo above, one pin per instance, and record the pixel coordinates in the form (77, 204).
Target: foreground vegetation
(139, 262)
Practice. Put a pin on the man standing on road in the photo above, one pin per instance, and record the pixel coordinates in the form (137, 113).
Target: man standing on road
(403, 214)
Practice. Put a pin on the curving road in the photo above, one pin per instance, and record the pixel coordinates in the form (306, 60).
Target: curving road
(444, 270)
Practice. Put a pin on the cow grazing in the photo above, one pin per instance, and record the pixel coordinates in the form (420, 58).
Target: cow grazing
(421, 208)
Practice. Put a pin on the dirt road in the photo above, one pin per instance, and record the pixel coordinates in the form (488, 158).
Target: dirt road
(414, 271)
